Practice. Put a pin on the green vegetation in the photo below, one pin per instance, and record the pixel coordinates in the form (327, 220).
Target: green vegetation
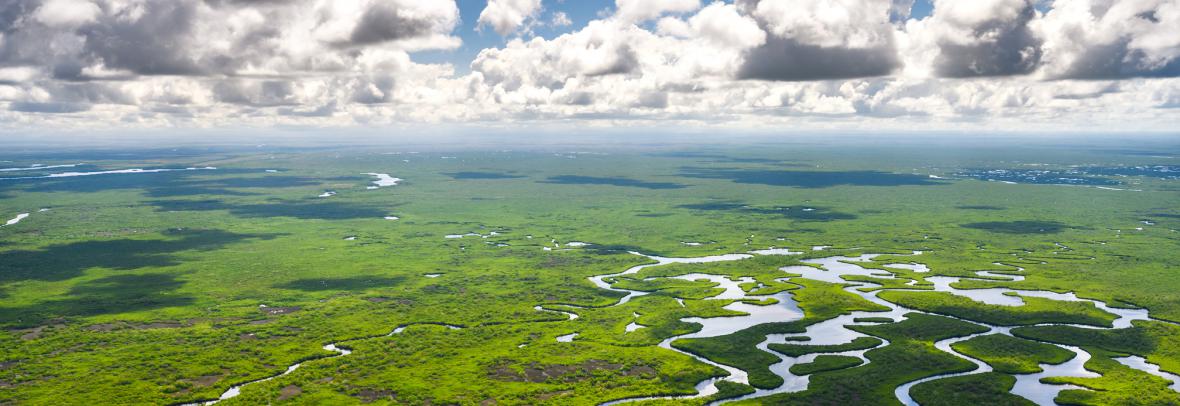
(825, 363)
(910, 356)
(819, 300)
(795, 350)
(166, 288)
(1012, 355)
(1158, 342)
(1034, 311)
(1118, 385)
(989, 388)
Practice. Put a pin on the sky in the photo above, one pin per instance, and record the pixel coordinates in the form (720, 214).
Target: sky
(758, 65)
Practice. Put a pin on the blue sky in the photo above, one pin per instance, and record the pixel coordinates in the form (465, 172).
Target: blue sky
(1090, 65)
(476, 39)
(579, 12)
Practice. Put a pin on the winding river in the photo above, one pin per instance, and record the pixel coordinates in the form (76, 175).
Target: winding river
(834, 331)
(829, 332)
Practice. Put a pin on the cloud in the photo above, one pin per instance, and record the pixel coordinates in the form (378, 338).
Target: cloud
(746, 63)
(68, 13)
(506, 16)
(1107, 39)
(984, 38)
(642, 10)
(383, 22)
(821, 39)
(561, 19)
(52, 108)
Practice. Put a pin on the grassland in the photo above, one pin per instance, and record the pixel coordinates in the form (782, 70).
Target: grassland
(169, 287)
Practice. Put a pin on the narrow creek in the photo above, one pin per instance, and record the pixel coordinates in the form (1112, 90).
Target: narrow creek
(834, 331)
(336, 347)
(828, 332)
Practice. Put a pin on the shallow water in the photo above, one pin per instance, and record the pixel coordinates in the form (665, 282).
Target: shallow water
(776, 251)
(1141, 364)
(16, 219)
(236, 390)
(37, 167)
(1029, 386)
(116, 172)
(916, 267)
(829, 332)
(833, 331)
(600, 280)
(383, 180)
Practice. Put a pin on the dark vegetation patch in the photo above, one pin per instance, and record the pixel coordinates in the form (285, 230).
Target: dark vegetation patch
(223, 186)
(824, 363)
(990, 388)
(614, 181)
(367, 395)
(537, 373)
(981, 207)
(289, 392)
(114, 294)
(295, 209)
(1019, 227)
(872, 320)
(358, 283)
(809, 179)
(797, 350)
(653, 215)
(710, 157)
(67, 261)
(159, 184)
(146, 181)
(481, 175)
(803, 213)
(104, 327)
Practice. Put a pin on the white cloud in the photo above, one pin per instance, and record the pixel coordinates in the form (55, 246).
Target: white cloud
(822, 39)
(976, 38)
(67, 13)
(642, 10)
(1111, 39)
(561, 19)
(749, 63)
(506, 16)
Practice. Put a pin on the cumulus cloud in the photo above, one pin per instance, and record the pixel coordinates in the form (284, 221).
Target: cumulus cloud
(506, 16)
(983, 38)
(821, 39)
(248, 53)
(1103, 39)
(68, 13)
(642, 10)
(754, 63)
